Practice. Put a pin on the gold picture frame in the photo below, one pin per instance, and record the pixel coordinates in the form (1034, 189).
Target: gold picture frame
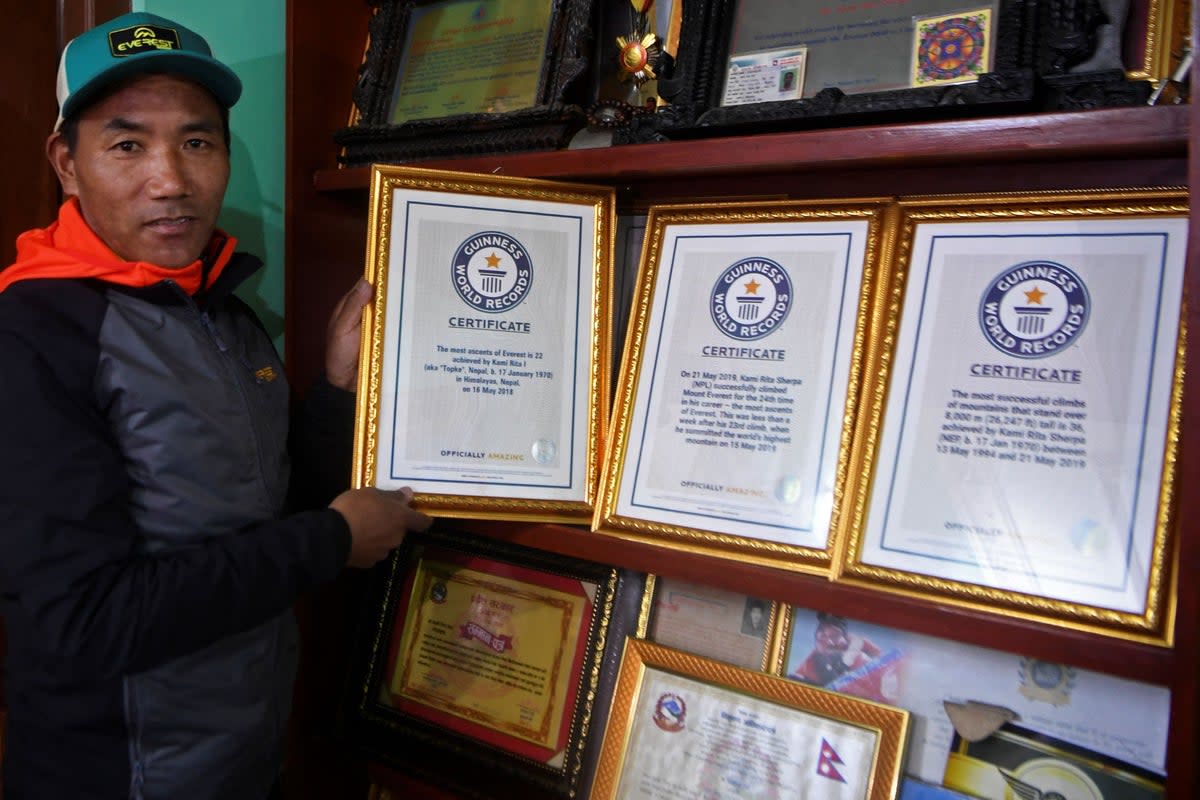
(708, 389)
(1021, 413)
(501, 389)
(674, 719)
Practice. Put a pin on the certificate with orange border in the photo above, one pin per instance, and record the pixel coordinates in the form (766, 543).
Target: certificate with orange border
(490, 650)
(481, 645)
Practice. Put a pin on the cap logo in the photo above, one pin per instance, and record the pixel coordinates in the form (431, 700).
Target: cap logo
(140, 39)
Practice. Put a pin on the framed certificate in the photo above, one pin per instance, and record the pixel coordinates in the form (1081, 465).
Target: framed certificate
(714, 623)
(1019, 449)
(752, 66)
(452, 77)
(739, 380)
(686, 726)
(486, 352)
(489, 657)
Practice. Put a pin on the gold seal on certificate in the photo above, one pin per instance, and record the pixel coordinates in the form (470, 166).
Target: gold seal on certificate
(739, 382)
(487, 364)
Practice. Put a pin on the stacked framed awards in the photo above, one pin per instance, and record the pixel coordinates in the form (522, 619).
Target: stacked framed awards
(974, 401)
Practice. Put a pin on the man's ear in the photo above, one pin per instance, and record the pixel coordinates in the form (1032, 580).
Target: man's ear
(63, 162)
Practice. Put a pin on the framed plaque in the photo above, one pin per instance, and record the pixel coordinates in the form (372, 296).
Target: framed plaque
(739, 380)
(713, 623)
(456, 76)
(686, 726)
(491, 657)
(755, 66)
(1019, 450)
(486, 353)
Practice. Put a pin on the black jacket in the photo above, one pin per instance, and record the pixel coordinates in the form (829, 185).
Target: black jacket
(146, 565)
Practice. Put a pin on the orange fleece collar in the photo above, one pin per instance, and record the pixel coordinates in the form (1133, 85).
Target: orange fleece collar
(69, 248)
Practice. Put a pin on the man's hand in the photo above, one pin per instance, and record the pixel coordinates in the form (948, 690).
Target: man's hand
(378, 521)
(342, 337)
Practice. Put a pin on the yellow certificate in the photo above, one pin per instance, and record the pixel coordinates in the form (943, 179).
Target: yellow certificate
(490, 649)
(465, 57)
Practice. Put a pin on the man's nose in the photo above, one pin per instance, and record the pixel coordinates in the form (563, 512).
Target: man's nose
(168, 174)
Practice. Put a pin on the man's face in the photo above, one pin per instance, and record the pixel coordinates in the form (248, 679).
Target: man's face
(150, 168)
(830, 639)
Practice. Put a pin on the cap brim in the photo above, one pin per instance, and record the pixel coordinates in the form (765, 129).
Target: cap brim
(219, 79)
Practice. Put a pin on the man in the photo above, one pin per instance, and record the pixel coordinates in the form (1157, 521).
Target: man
(147, 569)
(835, 652)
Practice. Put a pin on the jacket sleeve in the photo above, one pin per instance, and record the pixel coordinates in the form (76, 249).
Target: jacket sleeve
(79, 599)
(321, 445)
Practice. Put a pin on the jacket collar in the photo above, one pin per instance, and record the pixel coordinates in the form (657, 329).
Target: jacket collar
(69, 248)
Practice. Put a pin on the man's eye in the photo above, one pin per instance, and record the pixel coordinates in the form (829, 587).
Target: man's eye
(127, 146)
(197, 143)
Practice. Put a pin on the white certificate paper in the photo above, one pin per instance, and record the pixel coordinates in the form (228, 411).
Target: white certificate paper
(1026, 417)
(741, 392)
(487, 347)
(691, 739)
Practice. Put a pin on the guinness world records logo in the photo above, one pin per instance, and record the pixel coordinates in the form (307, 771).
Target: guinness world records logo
(491, 272)
(751, 299)
(1034, 309)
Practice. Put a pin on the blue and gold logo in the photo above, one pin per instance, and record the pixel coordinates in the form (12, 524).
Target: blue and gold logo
(751, 299)
(491, 272)
(1034, 310)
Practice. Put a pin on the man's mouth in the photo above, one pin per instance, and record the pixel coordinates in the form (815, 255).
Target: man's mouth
(170, 225)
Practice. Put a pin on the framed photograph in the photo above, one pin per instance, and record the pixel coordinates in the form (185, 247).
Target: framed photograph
(686, 726)
(1019, 445)
(479, 655)
(933, 678)
(739, 381)
(486, 352)
(451, 77)
(762, 66)
(713, 623)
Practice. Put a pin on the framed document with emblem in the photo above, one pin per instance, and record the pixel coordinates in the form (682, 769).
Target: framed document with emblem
(686, 726)
(486, 352)
(476, 655)
(739, 379)
(1019, 452)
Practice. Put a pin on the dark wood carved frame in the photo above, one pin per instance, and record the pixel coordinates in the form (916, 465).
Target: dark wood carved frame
(455, 761)
(545, 125)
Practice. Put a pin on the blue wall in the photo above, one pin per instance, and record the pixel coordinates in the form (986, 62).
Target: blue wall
(251, 38)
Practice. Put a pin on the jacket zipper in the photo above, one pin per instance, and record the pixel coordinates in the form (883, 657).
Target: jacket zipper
(219, 341)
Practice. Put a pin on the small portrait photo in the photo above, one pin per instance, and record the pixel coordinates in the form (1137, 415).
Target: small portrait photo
(787, 81)
(755, 617)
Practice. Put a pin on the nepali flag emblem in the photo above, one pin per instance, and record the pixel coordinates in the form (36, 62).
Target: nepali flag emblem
(828, 761)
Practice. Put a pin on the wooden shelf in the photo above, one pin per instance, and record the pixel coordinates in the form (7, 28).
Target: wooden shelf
(1148, 663)
(1142, 131)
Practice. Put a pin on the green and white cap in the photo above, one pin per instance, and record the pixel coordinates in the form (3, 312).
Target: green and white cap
(138, 44)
